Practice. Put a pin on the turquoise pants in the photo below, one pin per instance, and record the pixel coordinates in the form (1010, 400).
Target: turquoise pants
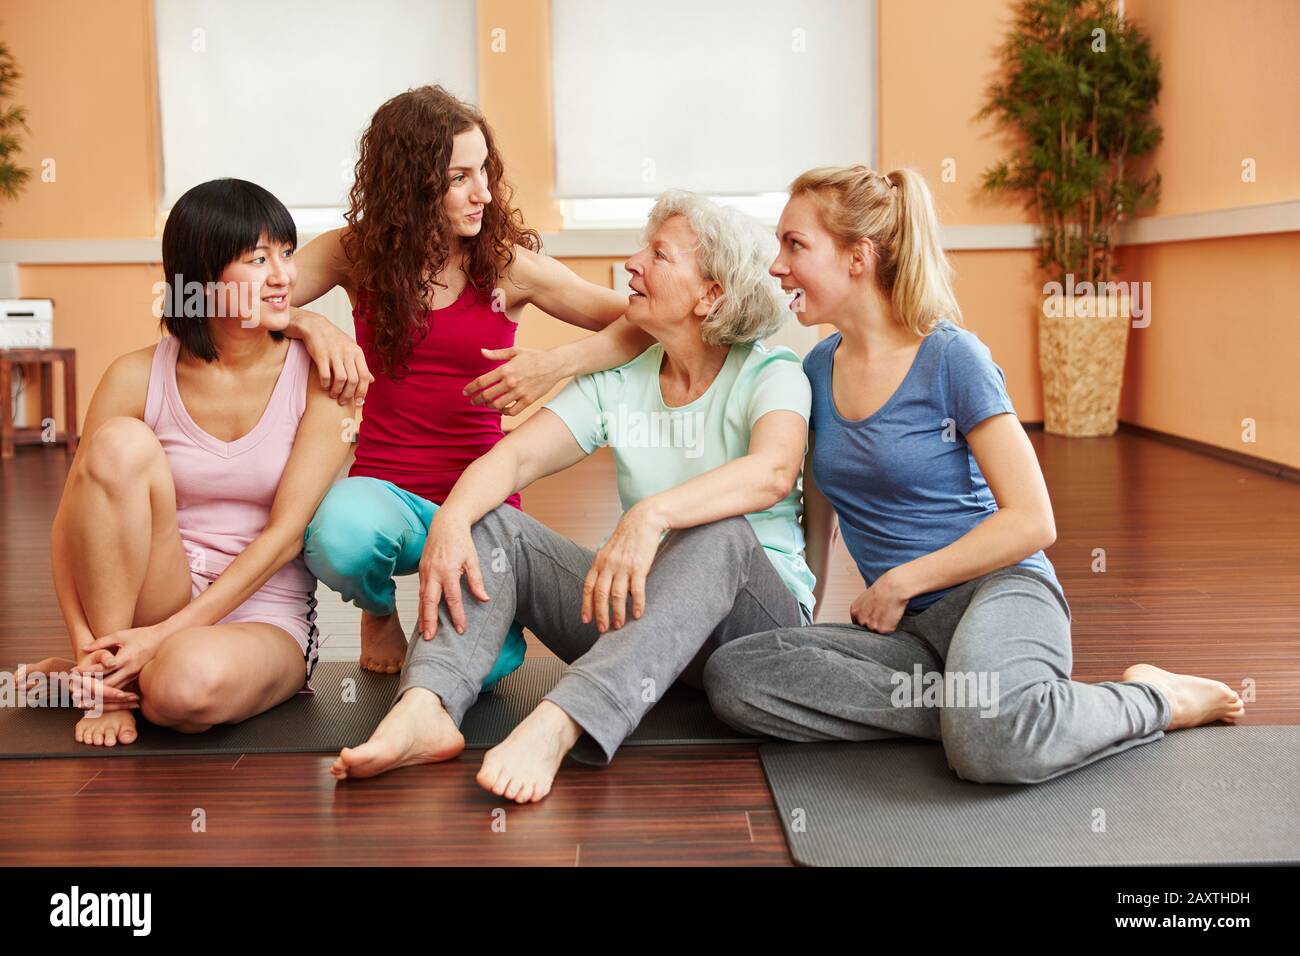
(365, 532)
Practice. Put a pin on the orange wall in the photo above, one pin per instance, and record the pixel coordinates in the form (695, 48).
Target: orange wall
(1222, 345)
(935, 59)
(89, 83)
(1230, 90)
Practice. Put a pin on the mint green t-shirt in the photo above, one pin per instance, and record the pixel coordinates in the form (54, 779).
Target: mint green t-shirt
(657, 447)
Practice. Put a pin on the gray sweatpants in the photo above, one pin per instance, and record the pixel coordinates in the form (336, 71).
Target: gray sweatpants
(985, 670)
(708, 585)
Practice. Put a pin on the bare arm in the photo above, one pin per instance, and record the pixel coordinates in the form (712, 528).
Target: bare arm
(540, 446)
(559, 291)
(531, 373)
(321, 266)
(1022, 524)
(319, 451)
(616, 344)
(339, 361)
(753, 482)
(528, 374)
(821, 526)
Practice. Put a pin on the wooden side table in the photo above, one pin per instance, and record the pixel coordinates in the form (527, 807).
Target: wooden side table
(11, 434)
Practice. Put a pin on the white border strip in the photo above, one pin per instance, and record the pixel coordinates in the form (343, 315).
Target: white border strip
(579, 243)
(1264, 219)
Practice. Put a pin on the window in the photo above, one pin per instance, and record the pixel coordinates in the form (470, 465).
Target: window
(280, 93)
(730, 98)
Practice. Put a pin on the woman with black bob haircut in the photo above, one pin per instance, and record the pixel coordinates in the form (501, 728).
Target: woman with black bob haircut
(176, 546)
(209, 227)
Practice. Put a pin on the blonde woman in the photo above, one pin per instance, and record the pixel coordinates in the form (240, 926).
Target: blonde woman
(963, 631)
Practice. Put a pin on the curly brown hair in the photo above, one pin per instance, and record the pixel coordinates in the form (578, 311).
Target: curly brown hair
(398, 237)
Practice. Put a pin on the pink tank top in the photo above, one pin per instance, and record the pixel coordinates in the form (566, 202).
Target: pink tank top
(224, 490)
(420, 433)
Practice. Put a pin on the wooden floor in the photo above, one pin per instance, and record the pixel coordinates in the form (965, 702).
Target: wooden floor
(1202, 576)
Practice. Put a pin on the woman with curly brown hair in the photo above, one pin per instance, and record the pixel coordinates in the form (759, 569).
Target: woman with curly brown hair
(438, 267)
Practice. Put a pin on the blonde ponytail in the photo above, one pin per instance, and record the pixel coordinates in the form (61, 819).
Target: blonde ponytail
(896, 213)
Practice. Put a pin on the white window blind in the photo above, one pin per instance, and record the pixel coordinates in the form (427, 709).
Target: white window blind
(279, 93)
(725, 97)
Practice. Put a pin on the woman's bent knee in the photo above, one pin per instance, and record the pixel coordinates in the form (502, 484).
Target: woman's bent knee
(119, 451)
(340, 542)
(987, 749)
(186, 684)
(728, 690)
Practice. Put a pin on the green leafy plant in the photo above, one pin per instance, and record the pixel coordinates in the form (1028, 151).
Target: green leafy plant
(12, 118)
(1076, 87)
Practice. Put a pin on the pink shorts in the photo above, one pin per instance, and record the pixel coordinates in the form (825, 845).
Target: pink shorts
(290, 611)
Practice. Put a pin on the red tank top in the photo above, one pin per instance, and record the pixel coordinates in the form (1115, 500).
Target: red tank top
(420, 433)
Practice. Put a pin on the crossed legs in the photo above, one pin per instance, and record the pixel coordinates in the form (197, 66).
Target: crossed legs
(1008, 711)
(535, 575)
(117, 533)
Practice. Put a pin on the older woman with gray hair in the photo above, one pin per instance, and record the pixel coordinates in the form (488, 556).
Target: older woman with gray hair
(708, 429)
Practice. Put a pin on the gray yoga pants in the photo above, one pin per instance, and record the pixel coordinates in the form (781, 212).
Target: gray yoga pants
(708, 585)
(985, 670)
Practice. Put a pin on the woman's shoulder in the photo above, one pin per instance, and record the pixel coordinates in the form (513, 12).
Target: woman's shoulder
(822, 351)
(765, 366)
(760, 357)
(629, 381)
(125, 383)
(133, 368)
(960, 344)
(963, 360)
(307, 384)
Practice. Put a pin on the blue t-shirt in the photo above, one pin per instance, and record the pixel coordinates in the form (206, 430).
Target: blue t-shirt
(903, 481)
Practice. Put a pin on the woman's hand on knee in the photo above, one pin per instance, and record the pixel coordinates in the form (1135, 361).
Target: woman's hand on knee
(620, 568)
(448, 553)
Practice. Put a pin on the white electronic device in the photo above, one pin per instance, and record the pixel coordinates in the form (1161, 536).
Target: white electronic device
(26, 323)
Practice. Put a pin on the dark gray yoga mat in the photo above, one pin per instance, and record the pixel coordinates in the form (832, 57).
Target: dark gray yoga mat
(1204, 795)
(328, 721)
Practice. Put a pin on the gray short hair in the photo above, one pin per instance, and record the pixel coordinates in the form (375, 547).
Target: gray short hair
(735, 250)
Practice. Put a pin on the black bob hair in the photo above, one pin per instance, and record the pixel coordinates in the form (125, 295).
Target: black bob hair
(211, 226)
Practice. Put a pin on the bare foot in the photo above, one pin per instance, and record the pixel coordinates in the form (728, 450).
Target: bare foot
(25, 675)
(107, 730)
(49, 666)
(416, 730)
(383, 645)
(522, 766)
(1194, 700)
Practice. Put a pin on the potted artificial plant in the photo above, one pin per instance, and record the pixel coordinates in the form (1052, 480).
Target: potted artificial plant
(1075, 88)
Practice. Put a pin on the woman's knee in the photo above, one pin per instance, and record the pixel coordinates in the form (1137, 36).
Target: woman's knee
(341, 539)
(736, 526)
(186, 683)
(119, 451)
(716, 537)
(984, 748)
(729, 682)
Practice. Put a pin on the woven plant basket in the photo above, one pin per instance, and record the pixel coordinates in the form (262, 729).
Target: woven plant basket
(1081, 357)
